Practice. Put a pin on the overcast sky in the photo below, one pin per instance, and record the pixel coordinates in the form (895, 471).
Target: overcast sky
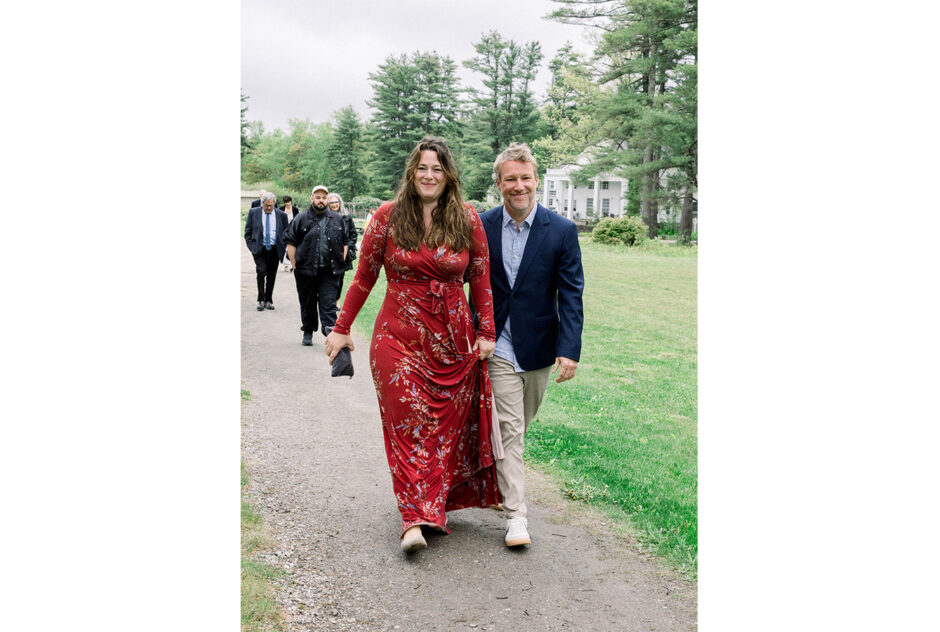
(303, 59)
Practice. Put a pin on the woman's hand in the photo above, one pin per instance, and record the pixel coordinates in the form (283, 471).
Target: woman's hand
(335, 342)
(485, 347)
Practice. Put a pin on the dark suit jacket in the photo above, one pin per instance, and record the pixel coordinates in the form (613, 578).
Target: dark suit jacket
(254, 231)
(544, 304)
(256, 202)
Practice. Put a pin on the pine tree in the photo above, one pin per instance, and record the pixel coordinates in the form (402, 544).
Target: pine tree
(346, 155)
(246, 143)
(413, 96)
(648, 115)
(503, 110)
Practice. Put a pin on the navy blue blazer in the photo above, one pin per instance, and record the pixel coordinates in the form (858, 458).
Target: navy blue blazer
(254, 231)
(544, 304)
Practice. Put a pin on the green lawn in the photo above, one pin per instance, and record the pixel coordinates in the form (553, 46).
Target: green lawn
(622, 434)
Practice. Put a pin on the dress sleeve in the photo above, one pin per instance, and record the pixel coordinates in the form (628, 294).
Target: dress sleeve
(478, 274)
(371, 260)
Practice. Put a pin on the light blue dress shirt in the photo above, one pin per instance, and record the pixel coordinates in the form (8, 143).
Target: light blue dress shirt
(268, 231)
(514, 241)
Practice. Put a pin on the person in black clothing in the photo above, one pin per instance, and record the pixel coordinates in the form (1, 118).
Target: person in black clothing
(289, 208)
(335, 202)
(317, 242)
(291, 211)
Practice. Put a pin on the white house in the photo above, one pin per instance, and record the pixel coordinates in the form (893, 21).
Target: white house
(605, 197)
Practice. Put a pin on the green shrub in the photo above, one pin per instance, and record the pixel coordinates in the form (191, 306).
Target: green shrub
(364, 203)
(479, 206)
(629, 230)
(669, 228)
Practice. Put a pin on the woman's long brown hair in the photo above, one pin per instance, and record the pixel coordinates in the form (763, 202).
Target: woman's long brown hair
(450, 225)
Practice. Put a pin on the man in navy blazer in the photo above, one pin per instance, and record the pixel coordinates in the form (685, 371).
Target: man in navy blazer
(537, 281)
(264, 235)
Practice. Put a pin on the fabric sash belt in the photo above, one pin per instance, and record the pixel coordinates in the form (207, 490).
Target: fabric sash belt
(445, 300)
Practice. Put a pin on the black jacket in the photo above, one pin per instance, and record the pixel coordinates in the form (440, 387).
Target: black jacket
(254, 230)
(299, 234)
(351, 229)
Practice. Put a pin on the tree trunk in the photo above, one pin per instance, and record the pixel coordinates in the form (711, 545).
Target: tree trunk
(648, 207)
(685, 222)
(645, 192)
(652, 222)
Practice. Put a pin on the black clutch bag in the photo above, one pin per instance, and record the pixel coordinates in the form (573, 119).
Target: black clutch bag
(342, 363)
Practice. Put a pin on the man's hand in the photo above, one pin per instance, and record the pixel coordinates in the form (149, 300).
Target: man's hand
(568, 367)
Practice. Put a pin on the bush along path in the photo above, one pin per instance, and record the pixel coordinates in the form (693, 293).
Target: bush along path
(320, 482)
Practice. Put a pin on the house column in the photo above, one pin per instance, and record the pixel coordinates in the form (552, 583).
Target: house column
(623, 196)
(597, 197)
(545, 191)
(570, 197)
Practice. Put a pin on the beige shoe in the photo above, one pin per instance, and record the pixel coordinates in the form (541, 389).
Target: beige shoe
(413, 540)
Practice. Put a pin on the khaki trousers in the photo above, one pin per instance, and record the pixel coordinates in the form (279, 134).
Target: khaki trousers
(517, 397)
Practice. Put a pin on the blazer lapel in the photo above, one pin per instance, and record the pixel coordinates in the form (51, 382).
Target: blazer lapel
(536, 234)
(494, 239)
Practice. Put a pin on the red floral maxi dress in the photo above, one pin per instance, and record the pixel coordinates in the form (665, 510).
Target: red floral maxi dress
(434, 392)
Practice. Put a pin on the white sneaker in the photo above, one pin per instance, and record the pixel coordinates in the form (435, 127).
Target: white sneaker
(517, 533)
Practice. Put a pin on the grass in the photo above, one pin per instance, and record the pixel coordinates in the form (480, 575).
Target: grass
(260, 612)
(622, 436)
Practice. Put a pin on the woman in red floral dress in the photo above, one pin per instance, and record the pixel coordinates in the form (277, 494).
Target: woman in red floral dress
(426, 356)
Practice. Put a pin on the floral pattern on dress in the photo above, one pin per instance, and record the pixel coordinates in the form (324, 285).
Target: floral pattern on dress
(434, 393)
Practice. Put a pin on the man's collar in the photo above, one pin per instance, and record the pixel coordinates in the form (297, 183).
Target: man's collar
(530, 216)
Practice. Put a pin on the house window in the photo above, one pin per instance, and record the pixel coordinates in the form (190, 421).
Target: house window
(590, 205)
(574, 205)
(551, 186)
(605, 185)
(605, 206)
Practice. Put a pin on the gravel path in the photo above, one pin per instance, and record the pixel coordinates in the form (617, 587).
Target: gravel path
(319, 478)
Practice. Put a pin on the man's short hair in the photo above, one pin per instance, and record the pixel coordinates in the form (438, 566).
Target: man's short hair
(515, 151)
(267, 196)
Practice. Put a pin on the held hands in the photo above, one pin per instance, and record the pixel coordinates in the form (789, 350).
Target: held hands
(568, 367)
(335, 342)
(485, 347)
